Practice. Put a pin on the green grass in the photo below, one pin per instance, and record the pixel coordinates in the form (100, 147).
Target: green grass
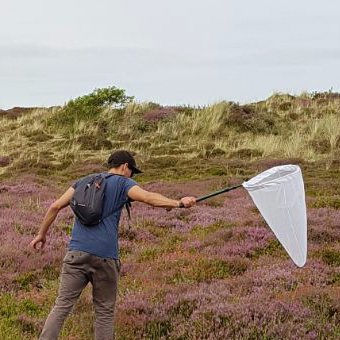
(327, 201)
(202, 233)
(331, 257)
(206, 270)
(19, 318)
(190, 142)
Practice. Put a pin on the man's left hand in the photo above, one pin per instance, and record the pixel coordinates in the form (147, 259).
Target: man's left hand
(38, 239)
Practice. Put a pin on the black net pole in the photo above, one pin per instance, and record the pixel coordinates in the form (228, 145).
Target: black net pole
(202, 198)
(219, 192)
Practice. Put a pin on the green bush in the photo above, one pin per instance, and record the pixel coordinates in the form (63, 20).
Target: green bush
(263, 123)
(89, 106)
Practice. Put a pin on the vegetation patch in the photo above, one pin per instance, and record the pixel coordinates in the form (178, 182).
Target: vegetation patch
(88, 107)
(206, 270)
(189, 273)
(158, 114)
(246, 153)
(4, 161)
(150, 254)
(25, 280)
(202, 232)
(94, 142)
(184, 308)
(331, 257)
(37, 136)
(272, 248)
(327, 201)
(321, 145)
(157, 329)
(335, 279)
(19, 317)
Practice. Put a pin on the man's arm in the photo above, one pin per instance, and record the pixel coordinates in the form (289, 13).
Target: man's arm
(50, 216)
(157, 200)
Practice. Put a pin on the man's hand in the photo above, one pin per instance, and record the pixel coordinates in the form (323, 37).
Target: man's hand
(187, 202)
(38, 239)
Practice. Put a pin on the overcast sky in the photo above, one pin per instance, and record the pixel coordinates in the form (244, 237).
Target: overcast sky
(172, 52)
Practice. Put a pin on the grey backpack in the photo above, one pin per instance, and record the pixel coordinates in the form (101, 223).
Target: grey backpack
(88, 199)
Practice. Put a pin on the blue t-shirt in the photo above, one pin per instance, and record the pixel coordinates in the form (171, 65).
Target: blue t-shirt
(102, 240)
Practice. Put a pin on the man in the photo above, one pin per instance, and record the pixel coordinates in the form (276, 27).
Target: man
(93, 251)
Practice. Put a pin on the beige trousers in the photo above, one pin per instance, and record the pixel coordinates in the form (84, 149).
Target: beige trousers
(80, 268)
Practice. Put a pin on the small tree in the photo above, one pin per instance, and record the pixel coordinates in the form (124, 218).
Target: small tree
(89, 106)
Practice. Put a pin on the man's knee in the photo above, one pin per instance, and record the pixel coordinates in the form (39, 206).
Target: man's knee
(104, 310)
(64, 303)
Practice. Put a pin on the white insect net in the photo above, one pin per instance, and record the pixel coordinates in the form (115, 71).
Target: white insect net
(279, 195)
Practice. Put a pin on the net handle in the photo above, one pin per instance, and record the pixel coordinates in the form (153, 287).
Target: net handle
(219, 192)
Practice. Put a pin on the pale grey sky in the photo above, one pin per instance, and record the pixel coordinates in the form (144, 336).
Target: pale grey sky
(171, 52)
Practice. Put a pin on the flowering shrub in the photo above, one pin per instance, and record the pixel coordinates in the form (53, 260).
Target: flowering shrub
(215, 271)
(22, 208)
(158, 114)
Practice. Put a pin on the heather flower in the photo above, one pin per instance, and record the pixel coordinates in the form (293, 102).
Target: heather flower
(4, 161)
(215, 271)
(158, 114)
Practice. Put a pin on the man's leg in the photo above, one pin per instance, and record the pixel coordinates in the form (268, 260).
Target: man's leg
(73, 281)
(104, 281)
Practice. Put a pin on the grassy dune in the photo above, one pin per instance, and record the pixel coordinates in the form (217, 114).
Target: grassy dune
(215, 271)
(49, 142)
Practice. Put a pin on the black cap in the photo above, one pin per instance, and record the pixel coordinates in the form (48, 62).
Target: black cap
(121, 157)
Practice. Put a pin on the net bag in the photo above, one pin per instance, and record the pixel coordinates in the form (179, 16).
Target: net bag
(279, 195)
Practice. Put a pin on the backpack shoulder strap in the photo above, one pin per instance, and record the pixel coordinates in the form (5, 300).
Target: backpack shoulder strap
(128, 208)
(126, 203)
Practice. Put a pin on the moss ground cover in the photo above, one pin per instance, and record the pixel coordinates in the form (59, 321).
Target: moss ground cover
(215, 271)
